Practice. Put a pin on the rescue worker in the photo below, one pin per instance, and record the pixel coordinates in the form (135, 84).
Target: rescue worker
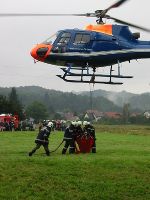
(79, 130)
(42, 139)
(6, 125)
(11, 125)
(78, 134)
(69, 138)
(90, 130)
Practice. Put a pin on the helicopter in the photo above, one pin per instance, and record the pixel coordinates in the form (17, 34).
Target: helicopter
(80, 51)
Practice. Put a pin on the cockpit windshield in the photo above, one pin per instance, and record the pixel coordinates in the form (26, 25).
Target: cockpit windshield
(51, 39)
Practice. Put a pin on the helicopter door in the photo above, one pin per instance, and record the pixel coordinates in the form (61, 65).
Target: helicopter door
(61, 44)
(82, 42)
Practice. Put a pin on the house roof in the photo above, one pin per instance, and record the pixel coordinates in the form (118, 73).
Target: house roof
(95, 112)
(70, 116)
(89, 116)
(114, 115)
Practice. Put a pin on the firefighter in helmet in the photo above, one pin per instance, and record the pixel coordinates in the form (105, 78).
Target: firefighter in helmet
(69, 138)
(79, 131)
(42, 139)
(90, 130)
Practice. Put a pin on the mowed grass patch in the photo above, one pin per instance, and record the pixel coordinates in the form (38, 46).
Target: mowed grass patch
(120, 169)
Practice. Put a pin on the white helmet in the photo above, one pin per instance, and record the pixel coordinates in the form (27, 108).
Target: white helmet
(86, 123)
(79, 123)
(50, 124)
(73, 123)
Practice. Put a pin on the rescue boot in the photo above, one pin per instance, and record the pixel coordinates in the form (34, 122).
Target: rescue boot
(71, 150)
(30, 153)
(64, 151)
(48, 153)
(94, 150)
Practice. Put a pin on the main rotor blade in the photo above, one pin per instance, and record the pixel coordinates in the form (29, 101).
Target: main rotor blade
(115, 5)
(42, 15)
(127, 23)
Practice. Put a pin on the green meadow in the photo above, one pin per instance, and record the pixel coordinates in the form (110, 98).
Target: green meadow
(120, 170)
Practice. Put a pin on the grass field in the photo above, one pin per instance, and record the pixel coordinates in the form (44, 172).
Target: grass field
(120, 170)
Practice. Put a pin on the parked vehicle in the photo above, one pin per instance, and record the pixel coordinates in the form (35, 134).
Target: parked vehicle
(9, 122)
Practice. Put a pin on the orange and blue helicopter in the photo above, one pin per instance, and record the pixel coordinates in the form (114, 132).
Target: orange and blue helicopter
(97, 46)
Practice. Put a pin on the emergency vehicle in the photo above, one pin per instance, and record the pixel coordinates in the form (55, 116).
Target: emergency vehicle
(10, 118)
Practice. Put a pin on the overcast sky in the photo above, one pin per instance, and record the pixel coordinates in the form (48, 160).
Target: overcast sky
(19, 35)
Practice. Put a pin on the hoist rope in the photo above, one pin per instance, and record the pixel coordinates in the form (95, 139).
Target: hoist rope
(91, 95)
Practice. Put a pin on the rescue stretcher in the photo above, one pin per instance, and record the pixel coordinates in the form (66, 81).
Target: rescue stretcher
(84, 143)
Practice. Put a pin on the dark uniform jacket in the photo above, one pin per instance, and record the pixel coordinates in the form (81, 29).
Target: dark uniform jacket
(69, 133)
(43, 136)
(90, 130)
(79, 131)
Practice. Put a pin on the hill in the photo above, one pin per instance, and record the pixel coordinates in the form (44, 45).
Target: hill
(139, 102)
(61, 101)
(101, 100)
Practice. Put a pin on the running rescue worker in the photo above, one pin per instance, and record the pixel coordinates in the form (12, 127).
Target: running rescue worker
(69, 138)
(42, 139)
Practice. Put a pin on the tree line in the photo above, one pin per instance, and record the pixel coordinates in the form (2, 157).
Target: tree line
(40, 103)
(11, 104)
(43, 103)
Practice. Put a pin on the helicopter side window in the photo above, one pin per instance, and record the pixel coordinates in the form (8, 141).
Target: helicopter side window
(65, 38)
(82, 38)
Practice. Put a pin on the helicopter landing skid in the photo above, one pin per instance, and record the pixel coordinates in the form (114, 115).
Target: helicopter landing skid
(83, 81)
(67, 74)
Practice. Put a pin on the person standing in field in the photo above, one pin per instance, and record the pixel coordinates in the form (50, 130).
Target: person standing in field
(42, 139)
(90, 130)
(69, 138)
(79, 131)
